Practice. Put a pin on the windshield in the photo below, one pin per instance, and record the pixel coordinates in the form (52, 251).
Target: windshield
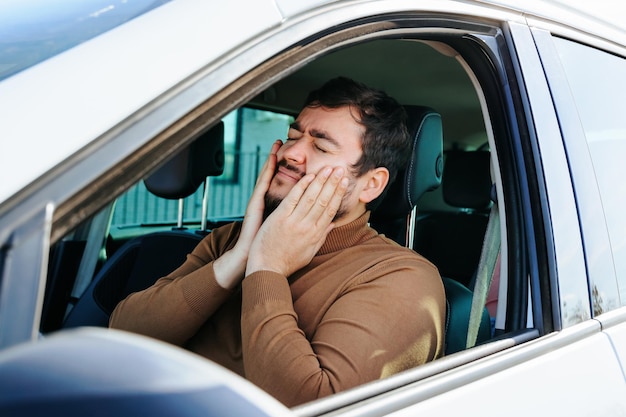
(32, 31)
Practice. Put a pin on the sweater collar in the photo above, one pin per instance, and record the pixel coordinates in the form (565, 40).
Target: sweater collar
(348, 235)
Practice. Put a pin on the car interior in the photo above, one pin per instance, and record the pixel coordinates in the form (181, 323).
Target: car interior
(441, 206)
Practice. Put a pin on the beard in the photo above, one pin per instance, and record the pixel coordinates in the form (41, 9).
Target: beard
(273, 201)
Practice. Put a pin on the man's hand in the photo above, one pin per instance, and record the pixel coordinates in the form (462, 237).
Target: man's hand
(229, 268)
(291, 236)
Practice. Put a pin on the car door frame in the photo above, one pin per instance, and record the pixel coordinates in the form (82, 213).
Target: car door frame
(576, 347)
(421, 388)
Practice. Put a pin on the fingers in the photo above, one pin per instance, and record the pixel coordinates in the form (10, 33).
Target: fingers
(267, 172)
(318, 198)
(256, 204)
(324, 195)
(269, 167)
(337, 198)
(290, 202)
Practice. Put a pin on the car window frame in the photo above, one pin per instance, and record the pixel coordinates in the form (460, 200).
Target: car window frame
(175, 136)
(566, 282)
(181, 130)
(23, 271)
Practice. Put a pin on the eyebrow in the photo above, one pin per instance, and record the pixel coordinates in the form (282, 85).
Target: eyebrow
(318, 134)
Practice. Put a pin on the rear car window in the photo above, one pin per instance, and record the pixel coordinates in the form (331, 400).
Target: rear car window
(599, 90)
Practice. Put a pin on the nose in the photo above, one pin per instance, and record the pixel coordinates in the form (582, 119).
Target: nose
(295, 151)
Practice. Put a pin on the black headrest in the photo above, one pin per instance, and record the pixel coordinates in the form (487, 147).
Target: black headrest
(182, 175)
(424, 169)
(467, 179)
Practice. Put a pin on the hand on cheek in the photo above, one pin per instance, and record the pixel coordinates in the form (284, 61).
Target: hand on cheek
(230, 267)
(291, 236)
(256, 205)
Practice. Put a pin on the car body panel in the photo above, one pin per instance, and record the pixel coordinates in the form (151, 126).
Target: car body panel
(558, 389)
(291, 8)
(602, 18)
(613, 325)
(24, 276)
(162, 379)
(154, 59)
(33, 31)
(68, 145)
(569, 255)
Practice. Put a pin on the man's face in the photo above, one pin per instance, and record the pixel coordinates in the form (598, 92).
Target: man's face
(318, 138)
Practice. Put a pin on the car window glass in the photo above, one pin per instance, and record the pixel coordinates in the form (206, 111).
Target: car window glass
(598, 85)
(248, 136)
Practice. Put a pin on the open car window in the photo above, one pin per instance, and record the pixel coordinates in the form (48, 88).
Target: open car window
(525, 228)
(459, 76)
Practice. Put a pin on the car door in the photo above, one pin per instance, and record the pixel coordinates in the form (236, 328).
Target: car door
(548, 351)
(578, 357)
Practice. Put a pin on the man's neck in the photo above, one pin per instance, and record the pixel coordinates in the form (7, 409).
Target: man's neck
(350, 217)
(347, 235)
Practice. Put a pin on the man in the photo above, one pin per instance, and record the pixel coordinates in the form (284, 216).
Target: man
(303, 298)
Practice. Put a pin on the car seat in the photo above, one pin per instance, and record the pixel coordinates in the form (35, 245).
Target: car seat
(142, 260)
(396, 213)
(452, 240)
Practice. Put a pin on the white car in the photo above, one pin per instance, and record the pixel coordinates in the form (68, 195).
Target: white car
(527, 225)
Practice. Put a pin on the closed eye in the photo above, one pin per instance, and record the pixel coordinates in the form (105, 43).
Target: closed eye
(320, 148)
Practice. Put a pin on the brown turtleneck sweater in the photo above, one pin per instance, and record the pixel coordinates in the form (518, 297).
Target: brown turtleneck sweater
(363, 309)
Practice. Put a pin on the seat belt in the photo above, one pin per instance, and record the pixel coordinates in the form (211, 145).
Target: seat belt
(484, 276)
(95, 240)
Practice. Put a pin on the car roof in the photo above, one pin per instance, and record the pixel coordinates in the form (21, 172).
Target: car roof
(69, 103)
(603, 18)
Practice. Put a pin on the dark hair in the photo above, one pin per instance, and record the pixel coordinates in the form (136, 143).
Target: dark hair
(386, 141)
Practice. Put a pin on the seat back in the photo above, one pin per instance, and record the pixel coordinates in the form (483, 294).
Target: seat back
(142, 260)
(458, 309)
(134, 267)
(181, 175)
(423, 173)
(396, 210)
(453, 240)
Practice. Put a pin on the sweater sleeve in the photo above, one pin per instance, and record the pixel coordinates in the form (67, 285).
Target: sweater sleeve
(390, 319)
(177, 305)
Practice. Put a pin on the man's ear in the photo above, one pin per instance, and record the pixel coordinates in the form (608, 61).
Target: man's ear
(377, 180)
